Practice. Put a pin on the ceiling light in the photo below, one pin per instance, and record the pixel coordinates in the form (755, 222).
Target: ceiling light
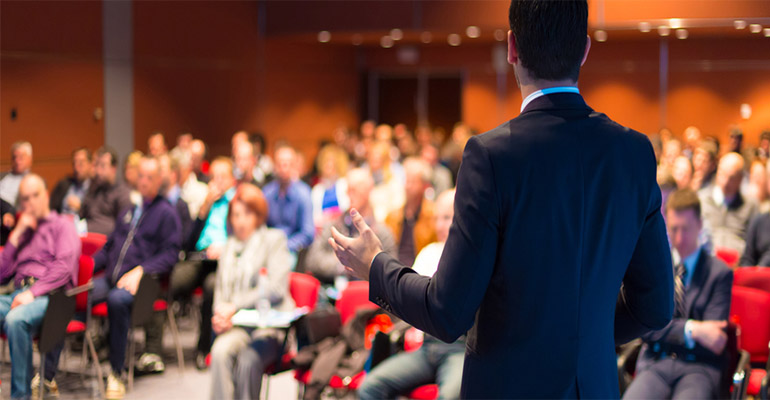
(426, 37)
(739, 24)
(767, 32)
(499, 35)
(386, 42)
(600, 36)
(664, 30)
(675, 23)
(396, 34)
(682, 33)
(755, 28)
(473, 32)
(645, 27)
(324, 36)
(454, 39)
(357, 39)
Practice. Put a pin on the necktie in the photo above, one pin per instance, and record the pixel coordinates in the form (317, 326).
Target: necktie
(679, 290)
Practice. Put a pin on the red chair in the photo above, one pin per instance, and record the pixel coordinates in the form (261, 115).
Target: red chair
(304, 290)
(753, 277)
(355, 296)
(729, 256)
(91, 243)
(751, 309)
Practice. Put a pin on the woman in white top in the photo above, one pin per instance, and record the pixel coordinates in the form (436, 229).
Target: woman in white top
(240, 355)
(330, 195)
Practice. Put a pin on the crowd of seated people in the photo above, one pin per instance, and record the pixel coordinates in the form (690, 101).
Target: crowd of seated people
(212, 224)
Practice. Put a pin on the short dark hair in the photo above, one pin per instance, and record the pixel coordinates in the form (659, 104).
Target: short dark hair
(550, 36)
(108, 150)
(258, 138)
(85, 149)
(683, 200)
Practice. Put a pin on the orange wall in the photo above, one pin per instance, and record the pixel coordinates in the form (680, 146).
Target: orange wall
(51, 73)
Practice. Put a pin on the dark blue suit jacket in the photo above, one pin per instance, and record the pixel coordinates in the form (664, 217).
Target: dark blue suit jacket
(706, 298)
(553, 211)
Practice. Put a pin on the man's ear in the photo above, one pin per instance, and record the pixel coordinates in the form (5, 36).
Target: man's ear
(513, 55)
(588, 47)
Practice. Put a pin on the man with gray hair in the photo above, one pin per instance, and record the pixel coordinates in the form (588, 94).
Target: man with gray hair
(21, 163)
(726, 212)
(193, 191)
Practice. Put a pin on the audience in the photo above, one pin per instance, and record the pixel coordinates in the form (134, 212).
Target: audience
(68, 195)
(41, 255)
(325, 266)
(146, 240)
(682, 172)
(726, 212)
(21, 164)
(684, 359)
(193, 192)
(412, 225)
(388, 193)
(329, 196)
(757, 250)
(291, 209)
(757, 189)
(245, 162)
(263, 170)
(441, 176)
(7, 220)
(434, 361)
(156, 144)
(198, 151)
(206, 241)
(704, 162)
(106, 198)
(240, 355)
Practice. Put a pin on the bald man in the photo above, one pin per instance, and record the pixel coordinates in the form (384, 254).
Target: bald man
(41, 255)
(726, 213)
(325, 265)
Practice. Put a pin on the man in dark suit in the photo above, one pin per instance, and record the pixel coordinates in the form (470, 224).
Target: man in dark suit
(532, 274)
(684, 359)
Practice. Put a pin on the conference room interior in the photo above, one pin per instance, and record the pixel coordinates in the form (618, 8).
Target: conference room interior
(341, 96)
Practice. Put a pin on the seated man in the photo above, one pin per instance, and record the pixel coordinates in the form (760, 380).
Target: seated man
(684, 359)
(322, 263)
(435, 361)
(68, 195)
(758, 238)
(21, 163)
(412, 224)
(106, 199)
(146, 240)
(206, 242)
(291, 209)
(41, 255)
(726, 212)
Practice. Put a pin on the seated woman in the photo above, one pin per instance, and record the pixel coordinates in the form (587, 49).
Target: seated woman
(240, 355)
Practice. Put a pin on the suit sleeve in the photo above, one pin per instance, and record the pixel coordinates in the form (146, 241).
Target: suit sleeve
(445, 305)
(646, 299)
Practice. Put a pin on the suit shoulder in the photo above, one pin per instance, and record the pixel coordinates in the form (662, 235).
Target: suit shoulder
(718, 268)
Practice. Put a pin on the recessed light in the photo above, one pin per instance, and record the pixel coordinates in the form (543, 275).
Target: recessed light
(499, 35)
(767, 32)
(324, 36)
(357, 39)
(682, 34)
(473, 32)
(426, 37)
(600, 35)
(664, 30)
(386, 42)
(755, 28)
(739, 24)
(675, 23)
(454, 39)
(396, 34)
(645, 27)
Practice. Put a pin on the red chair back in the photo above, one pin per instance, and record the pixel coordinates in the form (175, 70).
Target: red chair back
(85, 272)
(729, 256)
(355, 296)
(304, 289)
(751, 309)
(91, 243)
(753, 277)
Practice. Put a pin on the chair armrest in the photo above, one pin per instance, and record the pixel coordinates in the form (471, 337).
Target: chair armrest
(765, 387)
(80, 289)
(741, 375)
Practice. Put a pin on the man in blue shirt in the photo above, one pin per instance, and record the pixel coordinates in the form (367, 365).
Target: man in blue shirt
(684, 359)
(290, 207)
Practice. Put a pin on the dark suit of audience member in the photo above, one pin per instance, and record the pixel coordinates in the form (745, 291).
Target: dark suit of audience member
(63, 189)
(102, 205)
(757, 250)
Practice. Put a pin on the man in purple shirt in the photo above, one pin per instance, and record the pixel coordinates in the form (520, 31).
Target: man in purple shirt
(41, 255)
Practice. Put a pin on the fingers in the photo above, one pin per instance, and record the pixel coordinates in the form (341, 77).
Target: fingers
(340, 239)
(358, 221)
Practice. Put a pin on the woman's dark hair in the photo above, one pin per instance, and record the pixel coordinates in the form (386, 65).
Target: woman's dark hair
(550, 36)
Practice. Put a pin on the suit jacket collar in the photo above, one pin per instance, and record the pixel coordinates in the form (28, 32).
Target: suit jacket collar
(557, 101)
(699, 276)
